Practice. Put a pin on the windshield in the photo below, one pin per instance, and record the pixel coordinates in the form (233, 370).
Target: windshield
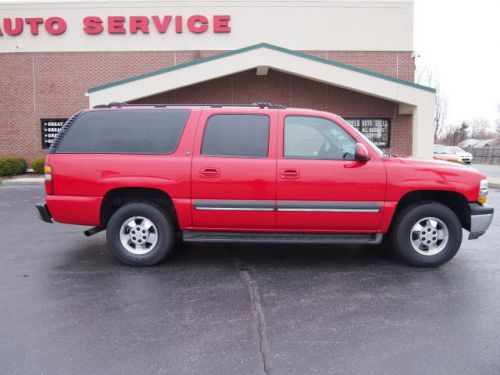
(440, 150)
(365, 138)
(455, 149)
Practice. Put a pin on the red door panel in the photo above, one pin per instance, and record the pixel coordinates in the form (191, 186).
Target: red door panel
(328, 195)
(234, 193)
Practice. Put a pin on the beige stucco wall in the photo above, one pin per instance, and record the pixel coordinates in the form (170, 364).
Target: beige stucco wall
(300, 25)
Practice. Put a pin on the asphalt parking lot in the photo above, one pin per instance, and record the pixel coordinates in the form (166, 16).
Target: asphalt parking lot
(68, 307)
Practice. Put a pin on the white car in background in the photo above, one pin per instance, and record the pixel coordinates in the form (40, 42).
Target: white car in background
(465, 156)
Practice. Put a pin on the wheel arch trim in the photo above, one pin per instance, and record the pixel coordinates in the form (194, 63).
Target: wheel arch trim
(115, 197)
(454, 200)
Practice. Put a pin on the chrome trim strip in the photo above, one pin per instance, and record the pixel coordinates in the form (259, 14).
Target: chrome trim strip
(232, 209)
(286, 206)
(233, 205)
(329, 206)
(327, 210)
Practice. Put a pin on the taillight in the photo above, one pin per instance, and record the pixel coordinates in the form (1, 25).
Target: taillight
(49, 183)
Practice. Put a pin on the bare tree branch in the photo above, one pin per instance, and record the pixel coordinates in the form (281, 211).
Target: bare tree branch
(425, 76)
(497, 121)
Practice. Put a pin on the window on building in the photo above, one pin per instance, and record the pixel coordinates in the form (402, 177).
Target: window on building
(228, 135)
(125, 131)
(317, 138)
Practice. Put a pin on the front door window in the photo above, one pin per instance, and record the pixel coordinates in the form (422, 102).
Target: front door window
(316, 138)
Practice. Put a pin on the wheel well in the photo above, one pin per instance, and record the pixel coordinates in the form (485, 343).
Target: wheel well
(455, 201)
(116, 198)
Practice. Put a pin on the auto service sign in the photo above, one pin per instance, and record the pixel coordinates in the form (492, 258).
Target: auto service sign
(94, 25)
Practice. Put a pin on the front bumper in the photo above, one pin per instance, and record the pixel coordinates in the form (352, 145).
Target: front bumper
(44, 213)
(480, 219)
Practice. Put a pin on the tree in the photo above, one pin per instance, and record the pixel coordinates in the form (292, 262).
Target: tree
(461, 134)
(481, 129)
(456, 134)
(497, 121)
(425, 76)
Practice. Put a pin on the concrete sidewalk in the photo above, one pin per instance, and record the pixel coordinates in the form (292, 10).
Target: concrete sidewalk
(494, 182)
(22, 181)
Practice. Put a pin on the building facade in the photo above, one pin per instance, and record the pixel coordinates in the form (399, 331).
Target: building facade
(353, 58)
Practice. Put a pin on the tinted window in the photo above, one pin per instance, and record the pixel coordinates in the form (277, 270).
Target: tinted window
(439, 150)
(236, 136)
(454, 150)
(125, 131)
(317, 138)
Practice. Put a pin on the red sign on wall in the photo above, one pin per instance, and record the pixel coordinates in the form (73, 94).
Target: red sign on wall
(93, 25)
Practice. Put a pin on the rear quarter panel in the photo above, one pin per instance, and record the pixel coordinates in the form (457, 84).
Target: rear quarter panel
(80, 181)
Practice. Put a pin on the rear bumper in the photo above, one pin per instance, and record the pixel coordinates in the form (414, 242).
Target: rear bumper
(74, 209)
(480, 219)
(44, 213)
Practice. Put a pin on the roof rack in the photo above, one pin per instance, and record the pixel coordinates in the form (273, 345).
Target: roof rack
(253, 105)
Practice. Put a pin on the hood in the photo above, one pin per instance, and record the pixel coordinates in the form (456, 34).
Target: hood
(442, 165)
(409, 174)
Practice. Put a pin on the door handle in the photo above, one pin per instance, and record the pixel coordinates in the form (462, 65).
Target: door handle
(210, 172)
(289, 173)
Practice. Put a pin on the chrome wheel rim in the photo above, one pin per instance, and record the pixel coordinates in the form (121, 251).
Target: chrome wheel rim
(138, 235)
(429, 236)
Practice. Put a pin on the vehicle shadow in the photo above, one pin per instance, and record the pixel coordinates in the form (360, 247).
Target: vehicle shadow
(94, 254)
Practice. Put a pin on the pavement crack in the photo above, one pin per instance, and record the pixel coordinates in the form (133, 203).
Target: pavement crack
(258, 313)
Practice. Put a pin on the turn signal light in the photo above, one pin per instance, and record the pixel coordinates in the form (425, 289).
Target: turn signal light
(483, 191)
(49, 184)
(47, 170)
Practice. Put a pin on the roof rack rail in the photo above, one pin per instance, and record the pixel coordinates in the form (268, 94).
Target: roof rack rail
(259, 105)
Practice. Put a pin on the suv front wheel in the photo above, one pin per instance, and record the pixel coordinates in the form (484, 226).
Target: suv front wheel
(140, 234)
(426, 234)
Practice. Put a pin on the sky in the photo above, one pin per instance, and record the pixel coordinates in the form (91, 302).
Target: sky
(460, 42)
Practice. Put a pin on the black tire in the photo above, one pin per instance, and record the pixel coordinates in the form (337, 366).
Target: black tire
(163, 227)
(409, 216)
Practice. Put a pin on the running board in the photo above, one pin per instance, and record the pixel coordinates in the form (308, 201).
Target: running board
(285, 238)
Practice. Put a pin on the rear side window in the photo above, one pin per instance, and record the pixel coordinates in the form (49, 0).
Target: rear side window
(125, 132)
(244, 136)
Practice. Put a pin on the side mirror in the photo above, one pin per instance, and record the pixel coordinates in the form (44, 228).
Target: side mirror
(362, 153)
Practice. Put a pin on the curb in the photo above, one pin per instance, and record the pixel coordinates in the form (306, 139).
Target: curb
(494, 182)
(22, 181)
(495, 185)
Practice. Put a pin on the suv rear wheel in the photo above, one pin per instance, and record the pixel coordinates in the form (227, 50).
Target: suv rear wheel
(426, 234)
(140, 234)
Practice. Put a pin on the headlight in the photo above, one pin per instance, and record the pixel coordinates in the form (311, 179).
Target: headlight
(483, 191)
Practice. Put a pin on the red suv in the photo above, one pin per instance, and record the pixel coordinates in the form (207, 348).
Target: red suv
(256, 173)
